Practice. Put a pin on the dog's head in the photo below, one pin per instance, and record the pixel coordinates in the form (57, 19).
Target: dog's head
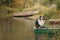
(42, 18)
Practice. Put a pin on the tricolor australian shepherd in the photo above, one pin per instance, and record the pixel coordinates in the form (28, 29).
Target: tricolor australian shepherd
(39, 23)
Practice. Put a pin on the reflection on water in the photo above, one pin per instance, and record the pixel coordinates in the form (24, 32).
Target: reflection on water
(16, 29)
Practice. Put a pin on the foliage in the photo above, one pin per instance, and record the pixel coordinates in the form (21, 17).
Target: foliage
(47, 2)
(6, 2)
(58, 4)
(51, 14)
(50, 32)
(19, 5)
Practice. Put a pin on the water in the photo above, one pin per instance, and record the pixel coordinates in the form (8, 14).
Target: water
(13, 28)
(16, 29)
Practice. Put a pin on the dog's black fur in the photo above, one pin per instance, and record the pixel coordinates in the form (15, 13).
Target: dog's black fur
(37, 24)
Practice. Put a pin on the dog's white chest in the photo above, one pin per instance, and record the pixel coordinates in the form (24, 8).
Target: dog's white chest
(41, 22)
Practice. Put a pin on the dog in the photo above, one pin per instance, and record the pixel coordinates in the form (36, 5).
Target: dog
(39, 23)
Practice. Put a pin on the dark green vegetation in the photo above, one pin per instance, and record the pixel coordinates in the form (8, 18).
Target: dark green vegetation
(51, 33)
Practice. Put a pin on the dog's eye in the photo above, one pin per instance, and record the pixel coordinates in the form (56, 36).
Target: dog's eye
(40, 16)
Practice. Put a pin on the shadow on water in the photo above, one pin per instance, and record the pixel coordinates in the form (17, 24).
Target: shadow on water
(23, 16)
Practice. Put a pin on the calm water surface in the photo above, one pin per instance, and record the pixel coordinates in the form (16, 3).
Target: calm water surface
(16, 29)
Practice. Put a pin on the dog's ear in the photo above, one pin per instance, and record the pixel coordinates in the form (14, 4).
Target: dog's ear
(43, 17)
(40, 17)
